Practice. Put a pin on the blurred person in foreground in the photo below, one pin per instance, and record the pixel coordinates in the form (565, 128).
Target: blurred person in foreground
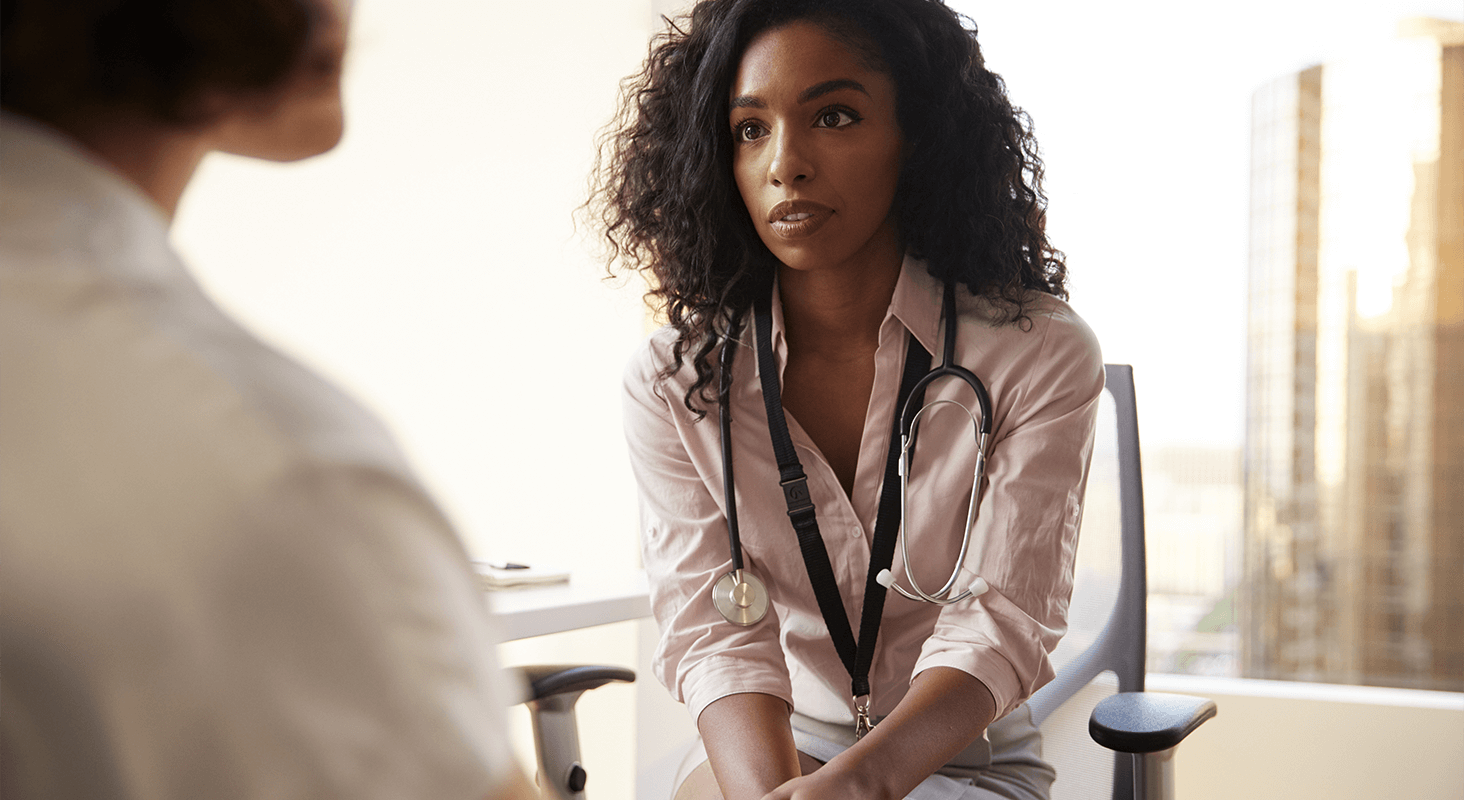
(218, 576)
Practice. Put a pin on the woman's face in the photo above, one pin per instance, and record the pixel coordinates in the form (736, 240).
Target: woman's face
(816, 150)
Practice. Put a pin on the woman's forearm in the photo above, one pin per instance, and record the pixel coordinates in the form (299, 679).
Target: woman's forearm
(944, 711)
(749, 743)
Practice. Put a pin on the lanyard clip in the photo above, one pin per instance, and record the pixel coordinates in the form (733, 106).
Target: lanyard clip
(795, 494)
(863, 720)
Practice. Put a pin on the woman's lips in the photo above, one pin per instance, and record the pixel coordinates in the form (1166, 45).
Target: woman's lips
(798, 219)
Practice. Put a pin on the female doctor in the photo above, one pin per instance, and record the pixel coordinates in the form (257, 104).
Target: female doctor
(802, 180)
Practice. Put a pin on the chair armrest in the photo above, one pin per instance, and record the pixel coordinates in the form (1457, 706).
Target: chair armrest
(1147, 722)
(546, 680)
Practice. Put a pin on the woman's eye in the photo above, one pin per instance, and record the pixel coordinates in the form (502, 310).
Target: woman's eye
(836, 118)
(750, 131)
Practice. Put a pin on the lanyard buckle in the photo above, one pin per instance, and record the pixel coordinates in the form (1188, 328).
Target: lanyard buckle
(796, 495)
(863, 720)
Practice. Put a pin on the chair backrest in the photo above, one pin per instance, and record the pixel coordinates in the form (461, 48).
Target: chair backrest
(1110, 592)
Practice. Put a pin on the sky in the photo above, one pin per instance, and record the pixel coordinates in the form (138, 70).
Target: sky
(1142, 113)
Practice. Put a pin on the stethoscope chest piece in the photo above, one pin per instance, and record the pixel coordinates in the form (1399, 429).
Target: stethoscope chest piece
(740, 597)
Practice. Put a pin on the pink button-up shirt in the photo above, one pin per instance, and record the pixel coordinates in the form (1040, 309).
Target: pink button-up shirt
(1044, 383)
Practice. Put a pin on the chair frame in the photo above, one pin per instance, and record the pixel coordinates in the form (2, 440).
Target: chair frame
(1142, 728)
(553, 691)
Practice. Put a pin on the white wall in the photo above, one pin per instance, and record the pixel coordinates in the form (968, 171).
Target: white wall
(430, 264)
(1306, 741)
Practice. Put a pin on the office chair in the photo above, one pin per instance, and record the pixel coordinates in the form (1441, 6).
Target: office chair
(1141, 728)
(553, 691)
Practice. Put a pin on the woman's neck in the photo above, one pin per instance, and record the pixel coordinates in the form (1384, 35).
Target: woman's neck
(836, 312)
(159, 158)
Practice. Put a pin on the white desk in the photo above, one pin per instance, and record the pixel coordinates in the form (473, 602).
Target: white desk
(659, 726)
(583, 602)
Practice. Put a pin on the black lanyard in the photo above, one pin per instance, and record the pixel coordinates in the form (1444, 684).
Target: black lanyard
(857, 658)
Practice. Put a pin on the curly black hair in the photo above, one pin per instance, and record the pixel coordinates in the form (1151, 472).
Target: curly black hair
(969, 200)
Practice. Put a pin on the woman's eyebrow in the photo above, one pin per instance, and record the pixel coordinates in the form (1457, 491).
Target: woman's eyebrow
(812, 92)
(821, 89)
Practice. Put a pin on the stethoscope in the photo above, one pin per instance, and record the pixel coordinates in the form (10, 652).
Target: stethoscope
(741, 596)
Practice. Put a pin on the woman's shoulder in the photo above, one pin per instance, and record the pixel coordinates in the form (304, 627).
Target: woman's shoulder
(646, 368)
(1050, 343)
(1046, 322)
(1064, 326)
(655, 351)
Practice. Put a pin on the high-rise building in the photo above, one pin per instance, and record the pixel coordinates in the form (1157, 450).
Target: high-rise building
(1354, 450)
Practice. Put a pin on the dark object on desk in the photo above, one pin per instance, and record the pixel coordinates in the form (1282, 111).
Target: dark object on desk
(503, 574)
(553, 691)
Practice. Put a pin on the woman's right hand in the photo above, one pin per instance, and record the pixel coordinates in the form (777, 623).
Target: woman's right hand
(829, 784)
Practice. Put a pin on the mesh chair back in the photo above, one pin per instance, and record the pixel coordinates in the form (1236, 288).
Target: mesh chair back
(1103, 651)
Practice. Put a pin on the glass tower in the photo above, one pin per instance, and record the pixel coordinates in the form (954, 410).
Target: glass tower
(1354, 451)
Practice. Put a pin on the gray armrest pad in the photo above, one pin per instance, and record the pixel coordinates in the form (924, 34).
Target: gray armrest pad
(1147, 722)
(545, 680)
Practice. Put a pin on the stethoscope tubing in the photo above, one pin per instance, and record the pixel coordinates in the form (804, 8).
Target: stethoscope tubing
(739, 596)
(907, 442)
(738, 580)
(909, 425)
(949, 370)
(729, 485)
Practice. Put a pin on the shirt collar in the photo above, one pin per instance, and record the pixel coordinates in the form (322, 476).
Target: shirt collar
(917, 303)
(57, 197)
(914, 306)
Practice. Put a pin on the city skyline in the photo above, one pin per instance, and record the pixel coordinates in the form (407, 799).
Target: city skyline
(1355, 383)
(1142, 111)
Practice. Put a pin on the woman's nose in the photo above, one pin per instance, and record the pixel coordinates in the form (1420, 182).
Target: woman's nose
(790, 162)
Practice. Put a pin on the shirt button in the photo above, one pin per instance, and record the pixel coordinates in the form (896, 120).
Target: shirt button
(856, 532)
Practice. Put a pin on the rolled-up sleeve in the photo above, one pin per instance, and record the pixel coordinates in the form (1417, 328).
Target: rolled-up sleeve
(1031, 509)
(700, 657)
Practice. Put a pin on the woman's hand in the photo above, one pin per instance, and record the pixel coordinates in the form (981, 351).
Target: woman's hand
(751, 747)
(944, 711)
(828, 784)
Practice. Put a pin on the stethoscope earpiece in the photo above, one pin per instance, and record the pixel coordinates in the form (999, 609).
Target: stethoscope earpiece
(886, 579)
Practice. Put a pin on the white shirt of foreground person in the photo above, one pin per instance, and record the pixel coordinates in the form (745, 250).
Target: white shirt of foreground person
(218, 577)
